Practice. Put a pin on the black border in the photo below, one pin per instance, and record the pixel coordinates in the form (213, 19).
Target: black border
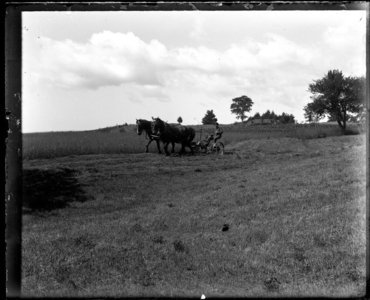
(13, 99)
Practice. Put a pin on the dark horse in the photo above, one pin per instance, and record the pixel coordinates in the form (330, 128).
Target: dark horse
(172, 134)
(144, 125)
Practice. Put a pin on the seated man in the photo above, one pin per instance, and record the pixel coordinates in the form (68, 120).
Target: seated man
(218, 132)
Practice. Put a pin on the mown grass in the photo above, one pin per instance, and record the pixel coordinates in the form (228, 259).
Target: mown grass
(60, 144)
(154, 226)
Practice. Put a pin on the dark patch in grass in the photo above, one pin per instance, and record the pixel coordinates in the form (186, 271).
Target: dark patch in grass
(179, 246)
(62, 273)
(299, 256)
(351, 131)
(353, 275)
(225, 227)
(84, 241)
(158, 239)
(260, 236)
(319, 241)
(315, 154)
(147, 279)
(46, 190)
(272, 284)
(306, 269)
(161, 226)
(93, 170)
(137, 228)
(198, 170)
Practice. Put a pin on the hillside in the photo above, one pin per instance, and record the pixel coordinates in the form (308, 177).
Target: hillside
(271, 218)
(232, 127)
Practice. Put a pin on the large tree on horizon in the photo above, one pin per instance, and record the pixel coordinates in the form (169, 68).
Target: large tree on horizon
(209, 118)
(240, 106)
(335, 96)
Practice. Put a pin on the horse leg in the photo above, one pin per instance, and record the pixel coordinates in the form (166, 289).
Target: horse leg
(165, 149)
(147, 146)
(159, 148)
(173, 147)
(182, 148)
(191, 148)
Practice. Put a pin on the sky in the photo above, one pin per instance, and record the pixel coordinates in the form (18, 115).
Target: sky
(90, 70)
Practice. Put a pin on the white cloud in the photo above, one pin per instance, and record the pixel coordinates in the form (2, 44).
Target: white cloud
(116, 58)
(273, 68)
(108, 59)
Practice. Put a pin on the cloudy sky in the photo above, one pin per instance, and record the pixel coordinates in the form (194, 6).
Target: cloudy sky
(89, 70)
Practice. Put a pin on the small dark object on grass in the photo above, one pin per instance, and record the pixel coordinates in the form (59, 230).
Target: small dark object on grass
(225, 227)
(198, 170)
(158, 239)
(272, 284)
(179, 246)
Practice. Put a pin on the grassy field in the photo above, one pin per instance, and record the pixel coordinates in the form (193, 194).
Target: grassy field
(59, 144)
(275, 216)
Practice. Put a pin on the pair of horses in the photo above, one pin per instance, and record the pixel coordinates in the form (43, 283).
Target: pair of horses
(158, 130)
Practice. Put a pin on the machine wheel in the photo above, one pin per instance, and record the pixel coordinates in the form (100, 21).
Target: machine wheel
(218, 148)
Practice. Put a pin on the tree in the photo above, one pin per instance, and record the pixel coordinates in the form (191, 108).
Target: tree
(240, 106)
(257, 116)
(286, 118)
(291, 119)
(179, 120)
(273, 116)
(335, 96)
(209, 118)
(266, 115)
(333, 118)
(310, 112)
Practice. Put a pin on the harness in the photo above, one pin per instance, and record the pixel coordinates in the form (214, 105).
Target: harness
(168, 131)
(148, 136)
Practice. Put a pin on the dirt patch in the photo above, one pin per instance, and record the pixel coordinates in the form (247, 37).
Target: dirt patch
(46, 190)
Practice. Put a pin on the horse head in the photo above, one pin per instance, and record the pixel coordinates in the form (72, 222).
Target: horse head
(157, 126)
(139, 127)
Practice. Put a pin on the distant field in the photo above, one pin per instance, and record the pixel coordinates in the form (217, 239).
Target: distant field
(124, 140)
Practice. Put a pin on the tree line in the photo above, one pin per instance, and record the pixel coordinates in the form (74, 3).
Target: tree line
(283, 118)
(338, 97)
